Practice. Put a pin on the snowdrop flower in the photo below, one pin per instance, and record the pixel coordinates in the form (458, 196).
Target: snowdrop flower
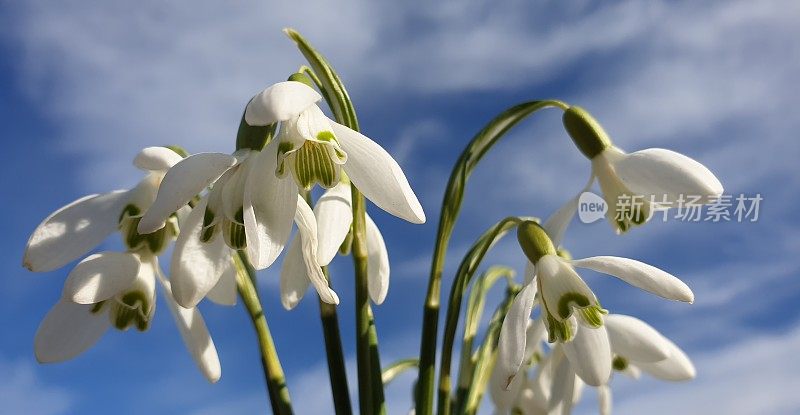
(258, 199)
(111, 289)
(570, 310)
(638, 346)
(635, 184)
(553, 389)
(334, 215)
(77, 228)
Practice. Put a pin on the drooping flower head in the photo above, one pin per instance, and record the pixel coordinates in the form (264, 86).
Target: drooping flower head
(112, 289)
(636, 184)
(570, 311)
(254, 193)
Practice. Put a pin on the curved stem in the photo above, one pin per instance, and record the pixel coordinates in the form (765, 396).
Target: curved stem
(466, 270)
(451, 206)
(273, 372)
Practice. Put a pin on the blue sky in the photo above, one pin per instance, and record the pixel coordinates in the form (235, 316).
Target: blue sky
(87, 85)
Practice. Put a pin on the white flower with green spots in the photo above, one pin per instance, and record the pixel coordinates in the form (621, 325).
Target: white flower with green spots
(254, 194)
(112, 289)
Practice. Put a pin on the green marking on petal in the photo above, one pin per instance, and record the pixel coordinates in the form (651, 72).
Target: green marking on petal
(326, 136)
(234, 234)
(154, 242)
(97, 307)
(592, 316)
(129, 311)
(558, 331)
(208, 231)
(283, 148)
(313, 165)
(569, 300)
(619, 363)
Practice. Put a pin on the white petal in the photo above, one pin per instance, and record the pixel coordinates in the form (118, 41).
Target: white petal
(632, 371)
(156, 159)
(307, 227)
(334, 215)
(73, 230)
(556, 225)
(535, 334)
(639, 274)
(100, 277)
(512, 340)
(504, 395)
(604, 399)
(196, 266)
(665, 173)
(590, 355)
(280, 102)
(377, 175)
(68, 330)
(677, 367)
(563, 386)
(635, 340)
(195, 335)
(377, 263)
(530, 272)
(542, 384)
(181, 183)
(558, 279)
(269, 206)
(294, 277)
(224, 293)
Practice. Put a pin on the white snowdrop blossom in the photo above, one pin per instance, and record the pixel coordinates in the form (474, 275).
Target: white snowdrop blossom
(636, 184)
(559, 378)
(638, 347)
(112, 289)
(255, 200)
(333, 213)
(570, 311)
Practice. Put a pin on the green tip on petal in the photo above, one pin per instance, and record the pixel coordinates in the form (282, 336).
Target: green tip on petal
(619, 363)
(558, 331)
(534, 241)
(586, 132)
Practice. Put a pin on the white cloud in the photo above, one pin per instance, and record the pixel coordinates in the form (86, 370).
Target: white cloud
(22, 392)
(753, 376)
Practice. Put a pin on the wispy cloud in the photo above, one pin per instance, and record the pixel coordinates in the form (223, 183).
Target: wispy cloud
(753, 376)
(22, 392)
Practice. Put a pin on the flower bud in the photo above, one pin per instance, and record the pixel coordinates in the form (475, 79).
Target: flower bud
(586, 132)
(534, 241)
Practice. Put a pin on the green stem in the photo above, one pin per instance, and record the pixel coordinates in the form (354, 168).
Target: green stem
(378, 398)
(466, 270)
(363, 312)
(337, 372)
(486, 355)
(451, 206)
(335, 355)
(273, 372)
(475, 307)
